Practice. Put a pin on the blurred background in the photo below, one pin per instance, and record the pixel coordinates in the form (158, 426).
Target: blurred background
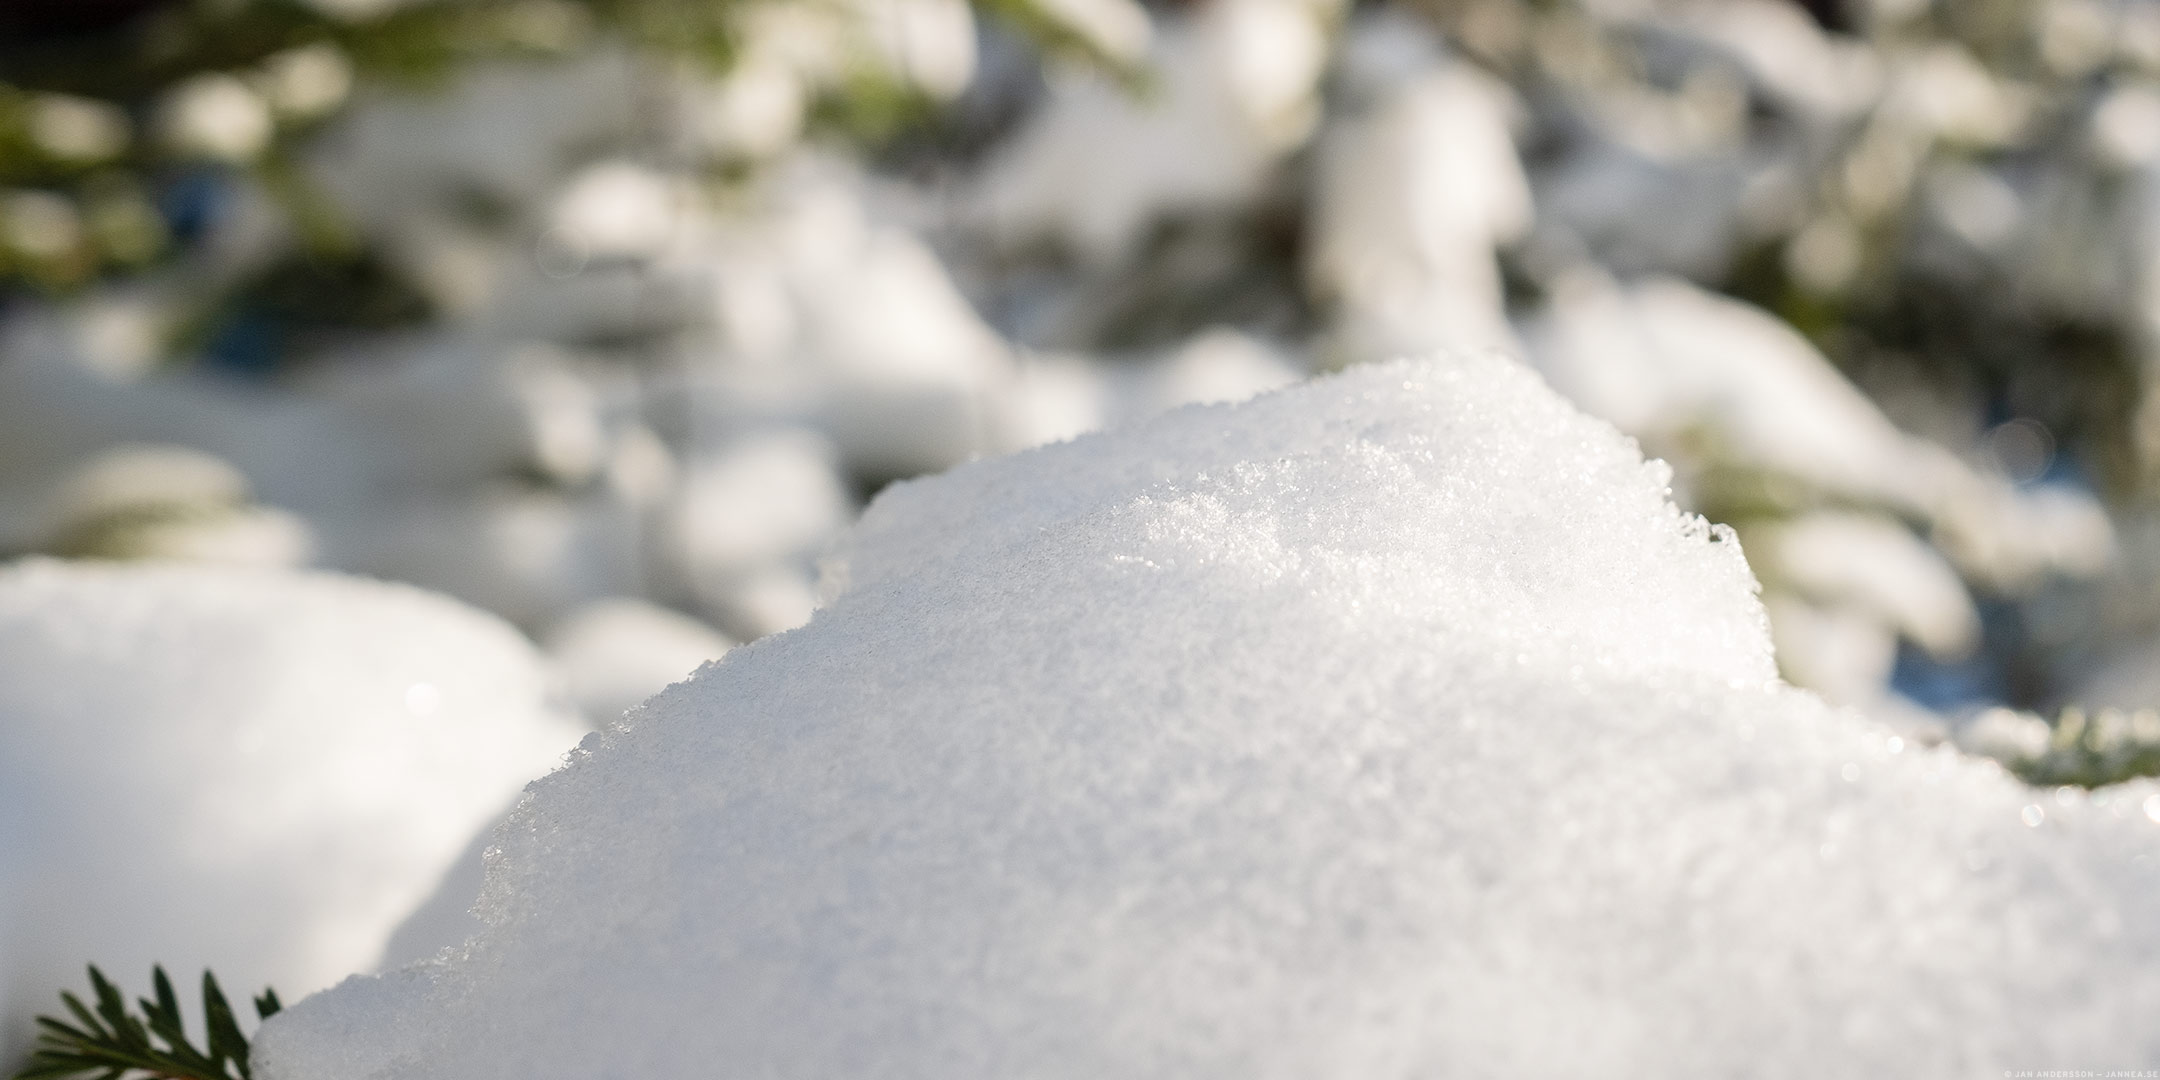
(604, 315)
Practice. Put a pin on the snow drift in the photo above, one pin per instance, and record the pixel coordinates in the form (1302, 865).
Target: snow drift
(1394, 725)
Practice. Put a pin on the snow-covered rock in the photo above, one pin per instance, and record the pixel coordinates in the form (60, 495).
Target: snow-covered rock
(1382, 727)
(256, 771)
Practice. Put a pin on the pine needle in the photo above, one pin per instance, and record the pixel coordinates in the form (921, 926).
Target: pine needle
(108, 1042)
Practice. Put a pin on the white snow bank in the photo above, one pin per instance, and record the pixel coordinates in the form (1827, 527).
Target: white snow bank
(1392, 725)
(260, 772)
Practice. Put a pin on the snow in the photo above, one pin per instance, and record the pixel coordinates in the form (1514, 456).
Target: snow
(503, 128)
(1675, 365)
(1050, 398)
(615, 653)
(929, 42)
(216, 116)
(1412, 195)
(169, 502)
(1384, 726)
(1873, 565)
(1234, 86)
(2130, 679)
(768, 497)
(531, 556)
(1118, 29)
(1787, 55)
(1217, 365)
(1844, 653)
(441, 416)
(445, 919)
(617, 209)
(257, 771)
(1663, 357)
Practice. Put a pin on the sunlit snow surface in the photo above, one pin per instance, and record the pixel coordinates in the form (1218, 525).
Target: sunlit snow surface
(260, 772)
(1390, 726)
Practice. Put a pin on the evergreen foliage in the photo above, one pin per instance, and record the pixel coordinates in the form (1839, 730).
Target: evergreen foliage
(91, 188)
(110, 1042)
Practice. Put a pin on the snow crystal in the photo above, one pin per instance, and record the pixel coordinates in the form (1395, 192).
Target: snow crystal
(1391, 725)
(256, 771)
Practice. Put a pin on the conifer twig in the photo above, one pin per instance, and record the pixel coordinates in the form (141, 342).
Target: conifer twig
(110, 1043)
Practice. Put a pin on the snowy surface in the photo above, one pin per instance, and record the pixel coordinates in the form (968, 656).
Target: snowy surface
(256, 771)
(1382, 727)
(1379, 727)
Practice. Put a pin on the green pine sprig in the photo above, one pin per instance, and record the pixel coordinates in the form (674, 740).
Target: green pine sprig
(110, 1043)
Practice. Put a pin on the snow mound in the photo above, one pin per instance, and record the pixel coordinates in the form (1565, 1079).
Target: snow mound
(260, 772)
(1392, 725)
